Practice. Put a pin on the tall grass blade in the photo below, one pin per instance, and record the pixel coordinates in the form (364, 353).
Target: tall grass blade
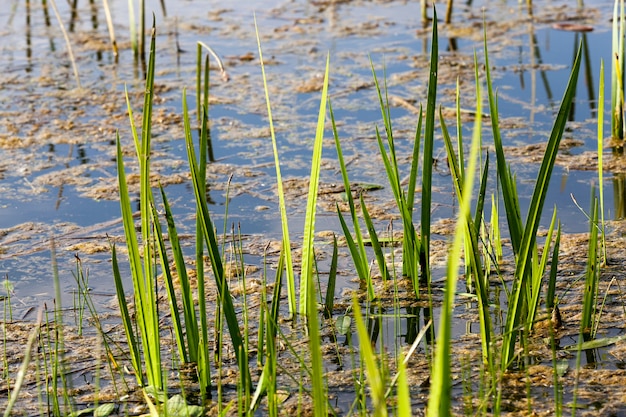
(527, 246)
(590, 294)
(23, 369)
(600, 162)
(506, 180)
(318, 385)
(169, 281)
(291, 281)
(427, 167)
(439, 400)
(133, 346)
(617, 71)
(306, 273)
(378, 251)
(267, 380)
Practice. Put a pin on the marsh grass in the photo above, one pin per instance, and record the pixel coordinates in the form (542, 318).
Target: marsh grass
(379, 371)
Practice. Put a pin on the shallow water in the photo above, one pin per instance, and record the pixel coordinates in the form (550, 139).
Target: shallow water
(57, 141)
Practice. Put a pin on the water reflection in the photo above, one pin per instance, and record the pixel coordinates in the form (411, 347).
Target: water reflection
(619, 195)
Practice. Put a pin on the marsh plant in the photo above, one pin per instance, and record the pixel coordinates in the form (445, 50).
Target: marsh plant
(475, 240)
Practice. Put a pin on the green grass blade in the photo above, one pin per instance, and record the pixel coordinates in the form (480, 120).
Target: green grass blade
(600, 162)
(439, 401)
(378, 251)
(204, 370)
(306, 273)
(427, 166)
(537, 275)
(291, 281)
(329, 300)
(357, 251)
(169, 285)
(189, 310)
(409, 245)
(410, 196)
(590, 294)
(507, 181)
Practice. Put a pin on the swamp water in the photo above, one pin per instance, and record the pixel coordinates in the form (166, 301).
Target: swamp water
(58, 177)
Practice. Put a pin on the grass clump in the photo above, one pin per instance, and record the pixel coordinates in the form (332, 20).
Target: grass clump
(156, 253)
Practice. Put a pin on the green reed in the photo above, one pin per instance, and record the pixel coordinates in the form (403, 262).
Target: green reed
(617, 70)
(481, 251)
(291, 280)
(523, 235)
(439, 401)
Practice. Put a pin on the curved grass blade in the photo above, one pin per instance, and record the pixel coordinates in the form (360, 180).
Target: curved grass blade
(439, 400)
(357, 250)
(306, 273)
(380, 257)
(291, 280)
(528, 243)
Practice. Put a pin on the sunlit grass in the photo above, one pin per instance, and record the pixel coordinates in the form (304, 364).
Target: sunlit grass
(380, 374)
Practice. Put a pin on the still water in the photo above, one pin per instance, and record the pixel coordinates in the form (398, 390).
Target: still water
(57, 140)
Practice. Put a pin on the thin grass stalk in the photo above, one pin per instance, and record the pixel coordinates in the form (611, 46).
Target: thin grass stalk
(70, 52)
(537, 276)
(376, 246)
(550, 294)
(132, 25)
(439, 400)
(59, 368)
(527, 245)
(272, 325)
(590, 294)
(318, 385)
(404, 394)
(204, 371)
(405, 361)
(291, 281)
(21, 373)
(600, 162)
(617, 71)
(187, 351)
(505, 179)
(329, 300)
(107, 13)
(267, 380)
(133, 345)
(306, 273)
(427, 166)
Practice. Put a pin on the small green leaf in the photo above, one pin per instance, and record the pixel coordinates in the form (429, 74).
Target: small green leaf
(178, 407)
(343, 324)
(81, 412)
(562, 367)
(104, 410)
(597, 343)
